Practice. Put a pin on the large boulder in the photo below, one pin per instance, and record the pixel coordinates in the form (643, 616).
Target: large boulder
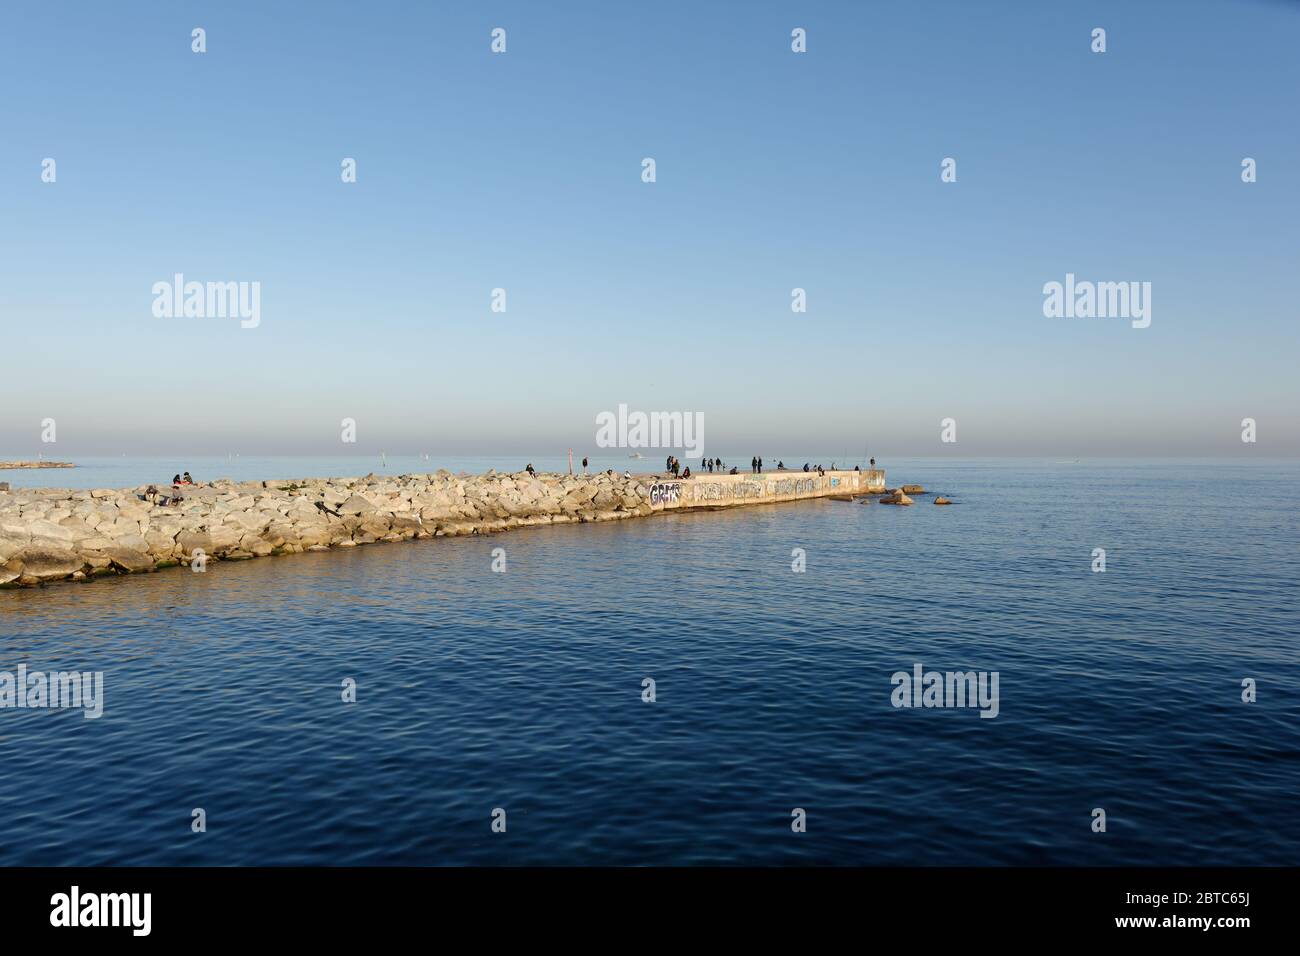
(40, 528)
(10, 546)
(249, 520)
(254, 545)
(406, 523)
(160, 545)
(130, 560)
(356, 505)
(191, 541)
(224, 538)
(312, 536)
(40, 563)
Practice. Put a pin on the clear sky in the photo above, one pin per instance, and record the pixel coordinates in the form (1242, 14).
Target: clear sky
(775, 170)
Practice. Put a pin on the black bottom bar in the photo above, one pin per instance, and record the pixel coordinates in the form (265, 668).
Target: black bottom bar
(365, 905)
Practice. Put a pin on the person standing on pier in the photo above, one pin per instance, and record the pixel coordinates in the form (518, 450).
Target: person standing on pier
(760, 464)
(584, 465)
(753, 465)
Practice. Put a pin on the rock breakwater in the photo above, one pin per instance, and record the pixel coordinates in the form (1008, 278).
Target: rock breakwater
(53, 534)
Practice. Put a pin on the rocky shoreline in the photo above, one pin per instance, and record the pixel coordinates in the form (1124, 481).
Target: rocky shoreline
(52, 534)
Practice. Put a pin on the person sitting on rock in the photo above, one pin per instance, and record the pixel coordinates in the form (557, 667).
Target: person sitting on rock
(805, 466)
(186, 479)
(686, 473)
(627, 474)
(530, 470)
(176, 480)
(733, 470)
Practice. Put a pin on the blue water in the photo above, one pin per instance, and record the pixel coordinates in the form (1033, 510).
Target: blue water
(522, 690)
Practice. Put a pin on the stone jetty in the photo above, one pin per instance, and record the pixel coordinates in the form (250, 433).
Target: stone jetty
(36, 464)
(51, 534)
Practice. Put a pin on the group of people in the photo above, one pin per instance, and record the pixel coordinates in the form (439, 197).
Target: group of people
(674, 466)
(152, 494)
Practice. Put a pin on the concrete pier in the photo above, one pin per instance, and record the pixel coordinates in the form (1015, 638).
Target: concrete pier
(728, 491)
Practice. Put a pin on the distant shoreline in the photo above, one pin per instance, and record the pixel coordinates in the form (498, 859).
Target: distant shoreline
(36, 464)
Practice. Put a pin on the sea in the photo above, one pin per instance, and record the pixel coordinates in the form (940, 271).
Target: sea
(706, 688)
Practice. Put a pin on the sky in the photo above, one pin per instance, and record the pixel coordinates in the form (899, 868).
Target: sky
(775, 170)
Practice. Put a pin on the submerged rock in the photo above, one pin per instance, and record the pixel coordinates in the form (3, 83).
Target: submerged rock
(896, 498)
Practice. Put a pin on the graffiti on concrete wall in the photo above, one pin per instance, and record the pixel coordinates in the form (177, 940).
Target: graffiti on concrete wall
(729, 491)
(794, 486)
(664, 493)
(756, 487)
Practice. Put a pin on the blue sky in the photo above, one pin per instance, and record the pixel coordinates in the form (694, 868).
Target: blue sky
(775, 170)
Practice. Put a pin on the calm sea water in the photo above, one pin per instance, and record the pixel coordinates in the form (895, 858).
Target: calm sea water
(522, 690)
